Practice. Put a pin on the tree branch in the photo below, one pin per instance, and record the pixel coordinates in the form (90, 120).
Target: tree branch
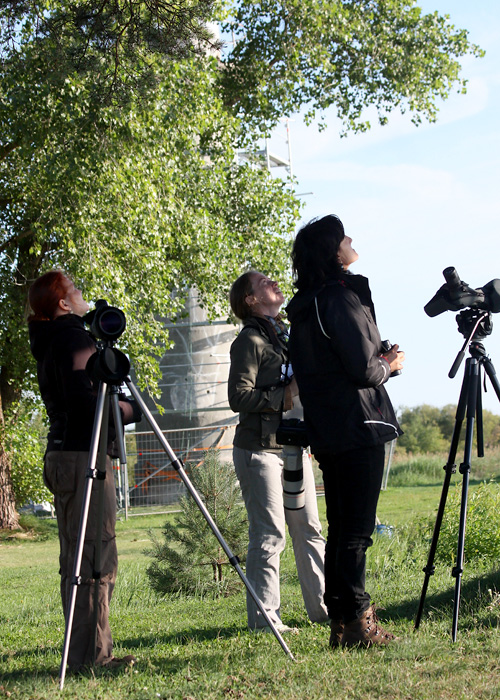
(5, 150)
(16, 239)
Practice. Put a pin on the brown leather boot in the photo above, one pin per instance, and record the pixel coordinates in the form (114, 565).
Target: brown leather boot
(365, 631)
(337, 630)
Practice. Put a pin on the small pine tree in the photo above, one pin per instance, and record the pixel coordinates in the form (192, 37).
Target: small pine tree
(189, 558)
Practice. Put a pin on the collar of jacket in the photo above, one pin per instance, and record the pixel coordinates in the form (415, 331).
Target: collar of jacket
(357, 283)
(267, 329)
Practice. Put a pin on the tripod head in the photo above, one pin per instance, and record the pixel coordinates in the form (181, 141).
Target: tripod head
(474, 324)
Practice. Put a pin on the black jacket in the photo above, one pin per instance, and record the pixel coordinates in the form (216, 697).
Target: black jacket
(68, 393)
(334, 350)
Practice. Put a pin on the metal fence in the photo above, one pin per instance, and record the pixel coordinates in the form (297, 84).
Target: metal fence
(148, 481)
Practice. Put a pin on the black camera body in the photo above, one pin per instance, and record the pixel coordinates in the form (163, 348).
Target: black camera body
(386, 346)
(292, 431)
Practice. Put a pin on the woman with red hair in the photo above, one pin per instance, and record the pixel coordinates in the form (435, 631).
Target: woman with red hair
(62, 348)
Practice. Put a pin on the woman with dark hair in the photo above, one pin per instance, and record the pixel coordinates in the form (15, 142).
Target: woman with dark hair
(341, 367)
(62, 347)
(259, 389)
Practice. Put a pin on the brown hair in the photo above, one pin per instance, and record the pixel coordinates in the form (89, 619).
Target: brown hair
(242, 288)
(45, 293)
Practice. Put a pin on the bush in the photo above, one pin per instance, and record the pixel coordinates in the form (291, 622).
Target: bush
(189, 558)
(482, 532)
(419, 469)
(25, 431)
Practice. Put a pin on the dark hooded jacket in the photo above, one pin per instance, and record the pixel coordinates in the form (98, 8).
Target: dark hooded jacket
(68, 393)
(335, 349)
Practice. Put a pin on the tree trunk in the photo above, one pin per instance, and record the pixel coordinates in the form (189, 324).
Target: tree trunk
(9, 519)
(15, 359)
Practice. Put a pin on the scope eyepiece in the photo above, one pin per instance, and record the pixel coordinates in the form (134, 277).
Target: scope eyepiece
(452, 279)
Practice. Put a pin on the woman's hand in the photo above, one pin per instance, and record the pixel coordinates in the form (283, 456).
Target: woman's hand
(291, 390)
(395, 357)
(294, 389)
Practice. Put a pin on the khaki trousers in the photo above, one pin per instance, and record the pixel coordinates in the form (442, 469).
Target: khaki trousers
(260, 477)
(65, 476)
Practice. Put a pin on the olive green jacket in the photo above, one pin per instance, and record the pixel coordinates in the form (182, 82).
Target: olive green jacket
(255, 389)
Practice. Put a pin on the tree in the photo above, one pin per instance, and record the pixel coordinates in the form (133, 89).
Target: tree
(137, 202)
(189, 558)
(26, 444)
(421, 430)
(118, 136)
(430, 429)
(98, 38)
(350, 54)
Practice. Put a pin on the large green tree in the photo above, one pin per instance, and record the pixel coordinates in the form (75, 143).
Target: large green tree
(138, 205)
(119, 125)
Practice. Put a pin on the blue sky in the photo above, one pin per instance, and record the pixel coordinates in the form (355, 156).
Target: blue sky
(416, 200)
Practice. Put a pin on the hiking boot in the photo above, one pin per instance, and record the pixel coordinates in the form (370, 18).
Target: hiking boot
(365, 631)
(337, 630)
(122, 662)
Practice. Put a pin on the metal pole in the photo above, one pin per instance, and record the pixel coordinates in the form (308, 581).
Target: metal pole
(178, 466)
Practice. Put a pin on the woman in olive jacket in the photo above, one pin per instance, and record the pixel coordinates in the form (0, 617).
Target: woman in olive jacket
(258, 390)
(341, 368)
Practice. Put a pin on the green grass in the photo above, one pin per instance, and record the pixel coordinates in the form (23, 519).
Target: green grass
(422, 470)
(194, 649)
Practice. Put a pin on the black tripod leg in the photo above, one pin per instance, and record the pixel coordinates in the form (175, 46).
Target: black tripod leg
(479, 417)
(450, 469)
(474, 382)
(120, 440)
(76, 579)
(233, 560)
(490, 371)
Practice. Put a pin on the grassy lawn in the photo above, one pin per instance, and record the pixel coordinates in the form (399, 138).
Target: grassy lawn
(194, 649)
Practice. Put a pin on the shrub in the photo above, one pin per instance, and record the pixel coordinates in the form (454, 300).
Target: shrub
(189, 558)
(24, 440)
(482, 532)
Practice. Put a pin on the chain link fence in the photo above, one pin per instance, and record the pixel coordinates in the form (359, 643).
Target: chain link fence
(148, 481)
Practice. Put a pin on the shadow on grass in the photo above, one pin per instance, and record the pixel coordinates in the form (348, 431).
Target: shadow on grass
(193, 635)
(142, 647)
(441, 603)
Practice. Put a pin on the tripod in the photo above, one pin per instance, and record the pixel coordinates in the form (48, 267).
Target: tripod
(111, 367)
(475, 326)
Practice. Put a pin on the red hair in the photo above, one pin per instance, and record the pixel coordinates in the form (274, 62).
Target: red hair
(45, 293)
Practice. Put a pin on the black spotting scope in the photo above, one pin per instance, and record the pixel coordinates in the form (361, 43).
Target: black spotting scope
(456, 294)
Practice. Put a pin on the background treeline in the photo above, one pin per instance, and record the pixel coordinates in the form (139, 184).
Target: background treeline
(428, 429)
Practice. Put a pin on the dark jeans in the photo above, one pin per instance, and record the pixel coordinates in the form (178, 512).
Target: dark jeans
(352, 486)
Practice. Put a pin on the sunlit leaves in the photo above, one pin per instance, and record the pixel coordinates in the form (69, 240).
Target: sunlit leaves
(349, 54)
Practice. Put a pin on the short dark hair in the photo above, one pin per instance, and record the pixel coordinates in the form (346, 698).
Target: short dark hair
(315, 251)
(45, 293)
(242, 288)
